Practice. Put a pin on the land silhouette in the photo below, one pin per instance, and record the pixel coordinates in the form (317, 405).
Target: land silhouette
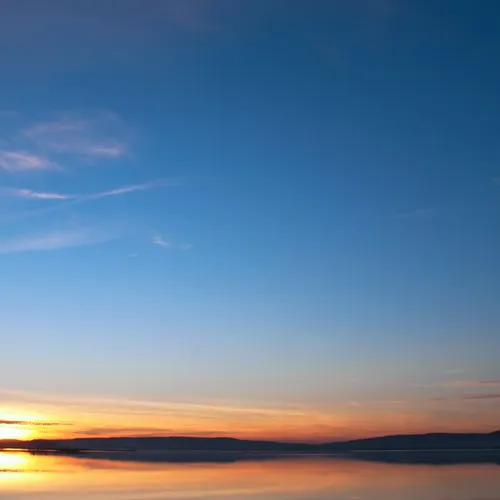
(408, 442)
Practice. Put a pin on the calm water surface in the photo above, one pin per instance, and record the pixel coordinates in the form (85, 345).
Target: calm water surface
(23, 476)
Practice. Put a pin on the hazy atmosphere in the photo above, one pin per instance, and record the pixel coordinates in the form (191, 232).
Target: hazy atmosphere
(262, 219)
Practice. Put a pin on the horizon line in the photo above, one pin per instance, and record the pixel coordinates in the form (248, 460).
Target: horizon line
(230, 438)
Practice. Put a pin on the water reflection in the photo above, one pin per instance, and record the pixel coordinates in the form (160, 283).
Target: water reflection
(321, 478)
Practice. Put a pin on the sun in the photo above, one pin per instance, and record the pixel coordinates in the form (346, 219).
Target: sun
(15, 432)
(19, 425)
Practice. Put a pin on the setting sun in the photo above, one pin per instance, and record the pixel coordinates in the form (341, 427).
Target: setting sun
(14, 432)
(17, 426)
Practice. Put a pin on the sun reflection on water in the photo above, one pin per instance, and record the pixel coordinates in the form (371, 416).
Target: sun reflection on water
(44, 477)
(16, 468)
(13, 461)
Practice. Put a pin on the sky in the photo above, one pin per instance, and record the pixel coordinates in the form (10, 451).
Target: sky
(269, 219)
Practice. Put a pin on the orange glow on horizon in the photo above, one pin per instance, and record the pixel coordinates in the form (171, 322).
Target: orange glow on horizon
(15, 432)
(57, 417)
(19, 425)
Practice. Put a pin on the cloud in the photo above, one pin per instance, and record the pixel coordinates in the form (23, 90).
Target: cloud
(467, 397)
(30, 423)
(145, 186)
(479, 397)
(106, 151)
(37, 195)
(46, 145)
(138, 406)
(57, 240)
(158, 240)
(101, 136)
(472, 383)
(161, 242)
(22, 161)
(113, 431)
(72, 199)
(454, 371)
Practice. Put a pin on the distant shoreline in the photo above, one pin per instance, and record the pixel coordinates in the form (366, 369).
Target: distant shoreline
(415, 457)
(411, 442)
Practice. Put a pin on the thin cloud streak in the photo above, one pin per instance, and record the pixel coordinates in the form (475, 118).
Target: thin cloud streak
(480, 397)
(106, 151)
(23, 161)
(37, 195)
(69, 200)
(472, 383)
(30, 423)
(161, 242)
(158, 240)
(92, 137)
(111, 403)
(466, 397)
(145, 186)
(277, 421)
(56, 240)
(46, 128)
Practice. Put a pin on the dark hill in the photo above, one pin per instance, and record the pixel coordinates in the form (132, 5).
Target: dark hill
(436, 441)
(168, 443)
(414, 442)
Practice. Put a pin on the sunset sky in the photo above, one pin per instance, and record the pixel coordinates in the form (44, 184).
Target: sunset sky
(267, 219)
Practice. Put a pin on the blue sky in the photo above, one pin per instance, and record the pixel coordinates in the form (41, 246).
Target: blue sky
(264, 202)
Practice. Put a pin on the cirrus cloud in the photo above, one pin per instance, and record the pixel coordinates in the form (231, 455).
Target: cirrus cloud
(36, 195)
(56, 240)
(98, 136)
(472, 383)
(23, 161)
(30, 423)
(162, 242)
(69, 199)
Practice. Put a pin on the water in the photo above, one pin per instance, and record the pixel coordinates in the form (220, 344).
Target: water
(23, 476)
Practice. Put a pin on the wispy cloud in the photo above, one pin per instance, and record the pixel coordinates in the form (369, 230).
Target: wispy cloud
(29, 423)
(162, 242)
(42, 129)
(132, 406)
(106, 150)
(62, 201)
(56, 240)
(145, 186)
(40, 195)
(454, 371)
(46, 145)
(23, 161)
(36, 195)
(480, 397)
(99, 136)
(472, 383)
(467, 397)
